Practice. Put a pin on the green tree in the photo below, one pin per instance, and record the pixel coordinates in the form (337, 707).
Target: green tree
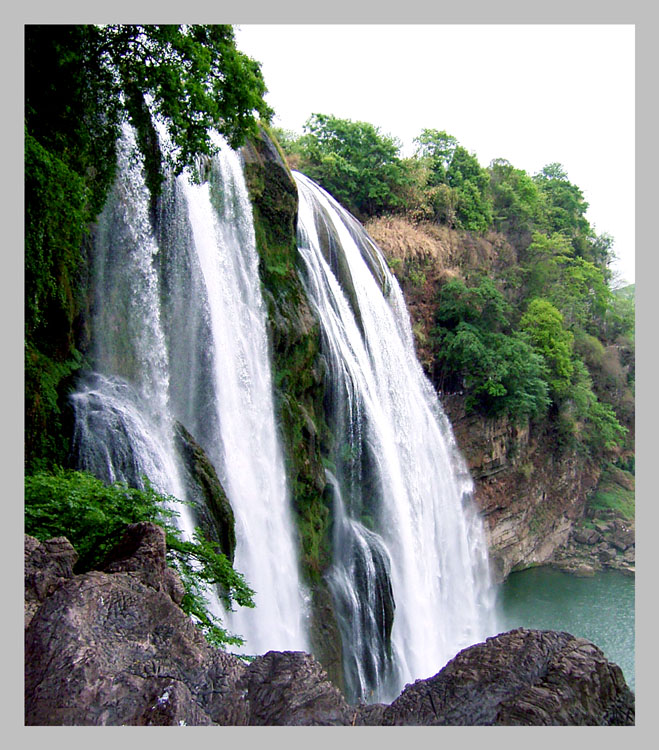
(482, 305)
(461, 185)
(544, 325)
(581, 293)
(477, 349)
(539, 263)
(515, 201)
(564, 206)
(353, 161)
(436, 148)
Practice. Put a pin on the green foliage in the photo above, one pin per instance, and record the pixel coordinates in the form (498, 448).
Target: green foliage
(585, 423)
(544, 325)
(461, 195)
(516, 200)
(45, 385)
(539, 263)
(603, 431)
(93, 517)
(502, 373)
(564, 208)
(482, 305)
(581, 293)
(355, 162)
(72, 104)
(55, 214)
(620, 315)
(500, 370)
(437, 149)
(90, 514)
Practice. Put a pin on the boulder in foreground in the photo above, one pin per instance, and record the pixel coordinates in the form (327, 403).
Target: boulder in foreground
(113, 647)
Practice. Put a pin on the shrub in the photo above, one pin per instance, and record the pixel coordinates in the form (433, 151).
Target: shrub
(93, 517)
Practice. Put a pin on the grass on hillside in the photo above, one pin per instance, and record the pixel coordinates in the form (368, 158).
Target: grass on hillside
(616, 491)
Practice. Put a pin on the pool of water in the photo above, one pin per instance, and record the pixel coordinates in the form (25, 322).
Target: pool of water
(600, 609)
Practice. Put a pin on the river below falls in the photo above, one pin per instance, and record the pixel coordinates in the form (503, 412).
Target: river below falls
(599, 608)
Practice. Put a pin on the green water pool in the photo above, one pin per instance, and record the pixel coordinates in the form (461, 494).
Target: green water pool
(600, 608)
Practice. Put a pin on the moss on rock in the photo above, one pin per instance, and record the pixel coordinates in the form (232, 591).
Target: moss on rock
(212, 509)
(295, 338)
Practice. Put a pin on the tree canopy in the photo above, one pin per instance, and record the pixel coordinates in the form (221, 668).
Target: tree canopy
(354, 161)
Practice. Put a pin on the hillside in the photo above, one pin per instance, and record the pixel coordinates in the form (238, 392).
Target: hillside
(532, 494)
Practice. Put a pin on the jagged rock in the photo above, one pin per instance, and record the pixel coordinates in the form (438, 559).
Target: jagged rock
(606, 555)
(291, 688)
(47, 565)
(524, 677)
(622, 535)
(112, 647)
(142, 552)
(584, 570)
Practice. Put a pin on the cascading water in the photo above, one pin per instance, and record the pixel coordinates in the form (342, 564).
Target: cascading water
(179, 335)
(406, 533)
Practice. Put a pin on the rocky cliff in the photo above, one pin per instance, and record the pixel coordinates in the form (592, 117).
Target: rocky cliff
(112, 647)
(530, 494)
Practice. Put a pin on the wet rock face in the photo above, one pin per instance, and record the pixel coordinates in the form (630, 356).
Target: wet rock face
(113, 647)
(211, 508)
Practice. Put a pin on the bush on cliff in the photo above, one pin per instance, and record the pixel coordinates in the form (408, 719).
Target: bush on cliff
(93, 517)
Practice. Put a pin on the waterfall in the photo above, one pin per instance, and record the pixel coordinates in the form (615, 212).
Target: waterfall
(410, 576)
(179, 335)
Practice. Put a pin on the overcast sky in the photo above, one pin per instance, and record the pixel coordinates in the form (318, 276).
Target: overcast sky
(532, 94)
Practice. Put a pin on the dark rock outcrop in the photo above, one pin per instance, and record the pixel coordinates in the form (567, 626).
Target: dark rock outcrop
(113, 647)
(524, 677)
(291, 688)
(47, 565)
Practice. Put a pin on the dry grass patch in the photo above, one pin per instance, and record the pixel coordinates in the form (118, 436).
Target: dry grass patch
(400, 239)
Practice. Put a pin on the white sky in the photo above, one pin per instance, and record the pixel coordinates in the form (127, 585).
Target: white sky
(532, 94)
